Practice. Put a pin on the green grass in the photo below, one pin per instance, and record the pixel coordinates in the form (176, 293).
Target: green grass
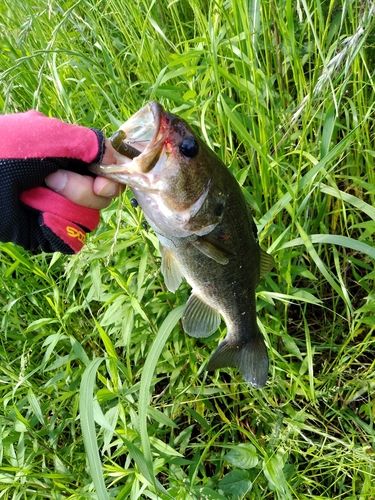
(101, 393)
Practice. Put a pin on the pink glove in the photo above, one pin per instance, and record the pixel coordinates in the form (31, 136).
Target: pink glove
(33, 146)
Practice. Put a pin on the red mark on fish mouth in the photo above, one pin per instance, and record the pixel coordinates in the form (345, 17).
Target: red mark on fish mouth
(168, 145)
(164, 122)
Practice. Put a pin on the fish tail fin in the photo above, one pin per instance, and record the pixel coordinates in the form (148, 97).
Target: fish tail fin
(251, 358)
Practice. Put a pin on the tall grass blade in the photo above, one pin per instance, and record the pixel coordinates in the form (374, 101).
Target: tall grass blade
(334, 239)
(86, 408)
(146, 380)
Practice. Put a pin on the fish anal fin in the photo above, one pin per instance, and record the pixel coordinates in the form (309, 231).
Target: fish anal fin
(213, 249)
(170, 269)
(199, 319)
(251, 358)
(266, 262)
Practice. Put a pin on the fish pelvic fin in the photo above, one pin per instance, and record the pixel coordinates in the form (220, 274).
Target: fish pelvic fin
(170, 269)
(250, 357)
(266, 262)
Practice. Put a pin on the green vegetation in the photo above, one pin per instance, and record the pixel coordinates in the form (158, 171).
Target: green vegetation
(101, 393)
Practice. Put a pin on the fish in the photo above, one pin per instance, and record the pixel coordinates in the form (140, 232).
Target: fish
(206, 232)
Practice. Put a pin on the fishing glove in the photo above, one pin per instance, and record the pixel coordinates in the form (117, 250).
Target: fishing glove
(33, 146)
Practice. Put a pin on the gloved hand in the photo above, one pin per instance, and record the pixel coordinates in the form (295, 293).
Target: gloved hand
(59, 224)
(33, 146)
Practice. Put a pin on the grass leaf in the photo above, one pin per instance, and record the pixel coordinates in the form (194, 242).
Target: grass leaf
(86, 407)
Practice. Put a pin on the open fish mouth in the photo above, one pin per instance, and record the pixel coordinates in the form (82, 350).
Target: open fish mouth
(138, 144)
(141, 130)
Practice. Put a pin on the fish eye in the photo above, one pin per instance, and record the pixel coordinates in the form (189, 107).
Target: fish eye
(189, 147)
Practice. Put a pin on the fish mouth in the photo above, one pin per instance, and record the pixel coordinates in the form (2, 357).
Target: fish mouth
(142, 129)
(139, 144)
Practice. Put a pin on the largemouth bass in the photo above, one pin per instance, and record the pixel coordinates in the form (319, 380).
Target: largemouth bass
(205, 230)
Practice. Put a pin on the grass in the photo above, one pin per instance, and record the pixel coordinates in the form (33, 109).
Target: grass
(101, 393)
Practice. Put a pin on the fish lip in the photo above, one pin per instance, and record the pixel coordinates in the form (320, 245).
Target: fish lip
(143, 132)
(144, 126)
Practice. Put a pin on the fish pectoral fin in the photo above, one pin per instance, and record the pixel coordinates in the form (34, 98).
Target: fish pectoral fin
(213, 249)
(170, 269)
(199, 319)
(250, 357)
(266, 262)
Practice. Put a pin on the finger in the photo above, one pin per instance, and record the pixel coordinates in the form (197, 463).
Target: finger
(105, 187)
(77, 188)
(109, 158)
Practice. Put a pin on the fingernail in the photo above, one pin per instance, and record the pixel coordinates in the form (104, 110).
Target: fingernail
(108, 189)
(57, 181)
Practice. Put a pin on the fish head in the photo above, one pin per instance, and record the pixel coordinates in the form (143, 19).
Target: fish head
(174, 175)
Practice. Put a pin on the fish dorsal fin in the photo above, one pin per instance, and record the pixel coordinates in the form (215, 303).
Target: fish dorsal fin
(199, 319)
(266, 262)
(170, 269)
(213, 249)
